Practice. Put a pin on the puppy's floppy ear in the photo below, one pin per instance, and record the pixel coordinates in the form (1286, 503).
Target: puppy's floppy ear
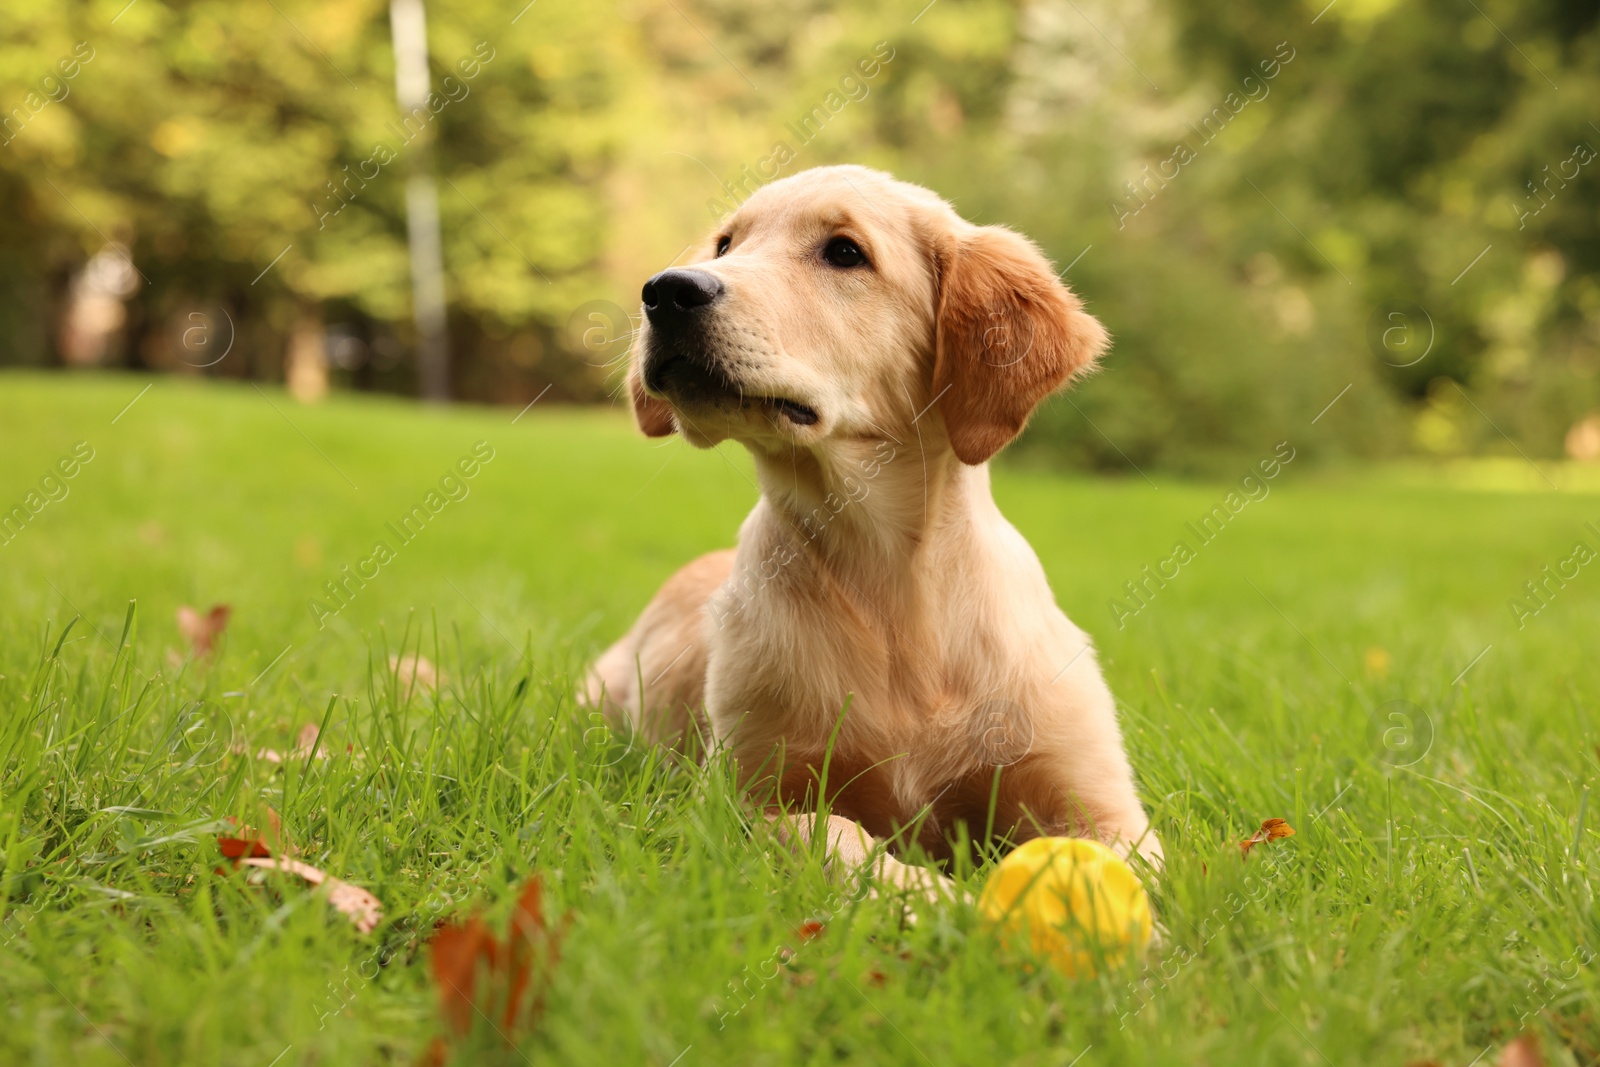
(654, 416)
(1009, 334)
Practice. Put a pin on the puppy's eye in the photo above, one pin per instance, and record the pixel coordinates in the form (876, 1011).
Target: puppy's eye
(722, 244)
(843, 252)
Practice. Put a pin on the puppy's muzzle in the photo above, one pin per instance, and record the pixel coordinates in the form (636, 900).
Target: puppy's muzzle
(678, 303)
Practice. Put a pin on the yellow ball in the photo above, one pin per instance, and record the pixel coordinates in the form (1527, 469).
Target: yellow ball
(1075, 901)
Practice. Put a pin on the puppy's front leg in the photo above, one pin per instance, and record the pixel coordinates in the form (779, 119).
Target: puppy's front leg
(848, 850)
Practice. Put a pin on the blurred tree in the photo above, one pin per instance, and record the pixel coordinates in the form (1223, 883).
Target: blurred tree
(1434, 153)
(252, 160)
(1271, 207)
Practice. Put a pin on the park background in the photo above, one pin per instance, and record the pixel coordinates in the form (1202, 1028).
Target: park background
(1265, 204)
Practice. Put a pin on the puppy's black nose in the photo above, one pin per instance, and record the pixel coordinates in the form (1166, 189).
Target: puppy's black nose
(674, 295)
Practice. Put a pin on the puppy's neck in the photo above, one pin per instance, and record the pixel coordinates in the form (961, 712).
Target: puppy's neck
(872, 505)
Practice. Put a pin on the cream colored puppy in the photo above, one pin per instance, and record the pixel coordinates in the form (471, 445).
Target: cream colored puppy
(873, 350)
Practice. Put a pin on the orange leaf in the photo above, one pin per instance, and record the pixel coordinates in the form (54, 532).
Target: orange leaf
(249, 850)
(1270, 830)
(275, 838)
(1522, 1052)
(202, 631)
(364, 909)
(237, 847)
(411, 670)
(306, 744)
(462, 953)
(532, 944)
(456, 952)
(251, 842)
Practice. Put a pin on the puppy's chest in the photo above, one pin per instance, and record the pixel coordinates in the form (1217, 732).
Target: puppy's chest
(896, 729)
(892, 727)
(799, 687)
(819, 636)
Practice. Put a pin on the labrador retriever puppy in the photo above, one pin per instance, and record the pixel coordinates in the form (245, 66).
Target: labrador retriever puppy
(881, 638)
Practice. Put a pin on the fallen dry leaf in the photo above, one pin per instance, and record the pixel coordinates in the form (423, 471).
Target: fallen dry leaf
(457, 950)
(240, 847)
(477, 974)
(532, 944)
(202, 631)
(305, 745)
(364, 909)
(252, 842)
(413, 669)
(809, 930)
(1270, 830)
(271, 852)
(1522, 1052)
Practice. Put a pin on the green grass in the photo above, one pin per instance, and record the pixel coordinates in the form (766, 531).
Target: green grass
(1419, 912)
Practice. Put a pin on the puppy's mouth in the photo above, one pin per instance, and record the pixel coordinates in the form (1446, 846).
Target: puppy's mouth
(795, 412)
(689, 382)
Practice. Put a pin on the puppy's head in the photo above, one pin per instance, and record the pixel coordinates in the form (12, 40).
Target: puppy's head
(841, 305)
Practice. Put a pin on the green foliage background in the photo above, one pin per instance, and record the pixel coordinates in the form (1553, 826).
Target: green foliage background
(1408, 155)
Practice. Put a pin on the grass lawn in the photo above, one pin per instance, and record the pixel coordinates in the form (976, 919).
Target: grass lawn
(1437, 899)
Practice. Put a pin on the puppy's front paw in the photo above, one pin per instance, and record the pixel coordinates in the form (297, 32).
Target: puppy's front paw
(915, 886)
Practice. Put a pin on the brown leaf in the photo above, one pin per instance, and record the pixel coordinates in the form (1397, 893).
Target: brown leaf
(362, 907)
(534, 947)
(1522, 1052)
(202, 631)
(252, 842)
(238, 847)
(478, 974)
(275, 837)
(457, 950)
(306, 743)
(271, 852)
(1270, 830)
(412, 669)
